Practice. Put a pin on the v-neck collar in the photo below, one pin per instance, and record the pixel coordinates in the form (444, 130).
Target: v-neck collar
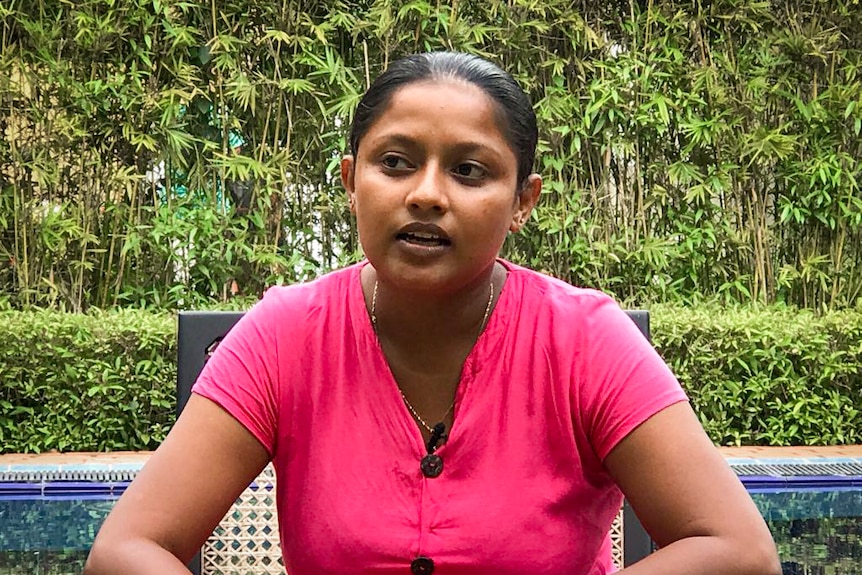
(388, 392)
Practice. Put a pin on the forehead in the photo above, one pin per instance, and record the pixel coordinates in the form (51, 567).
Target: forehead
(447, 107)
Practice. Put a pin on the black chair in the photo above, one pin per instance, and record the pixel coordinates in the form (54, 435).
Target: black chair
(636, 542)
(199, 332)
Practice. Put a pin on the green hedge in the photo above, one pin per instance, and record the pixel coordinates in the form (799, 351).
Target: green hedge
(95, 382)
(767, 376)
(105, 380)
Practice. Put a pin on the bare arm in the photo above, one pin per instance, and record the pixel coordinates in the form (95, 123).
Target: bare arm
(179, 496)
(690, 501)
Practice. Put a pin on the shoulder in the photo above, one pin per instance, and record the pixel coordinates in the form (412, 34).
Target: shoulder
(579, 320)
(549, 296)
(287, 313)
(332, 283)
(307, 297)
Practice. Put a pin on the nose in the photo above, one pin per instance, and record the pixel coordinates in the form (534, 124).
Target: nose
(428, 190)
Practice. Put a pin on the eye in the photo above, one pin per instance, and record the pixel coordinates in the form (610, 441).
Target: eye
(395, 162)
(470, 171)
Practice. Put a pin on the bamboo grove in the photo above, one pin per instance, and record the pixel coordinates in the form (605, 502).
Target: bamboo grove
(180, 153)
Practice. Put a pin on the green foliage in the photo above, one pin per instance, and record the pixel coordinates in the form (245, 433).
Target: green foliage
(756, 376)
(767, 376)
(690, 150)
(96, 382)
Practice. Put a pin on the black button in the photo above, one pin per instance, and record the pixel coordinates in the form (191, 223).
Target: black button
(431, 465)
(422, 566)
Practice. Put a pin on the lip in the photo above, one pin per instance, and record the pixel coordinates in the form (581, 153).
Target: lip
(424, 229)
(416, 241)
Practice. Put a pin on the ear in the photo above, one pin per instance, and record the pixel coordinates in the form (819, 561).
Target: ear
(526, 201)
(348, 166)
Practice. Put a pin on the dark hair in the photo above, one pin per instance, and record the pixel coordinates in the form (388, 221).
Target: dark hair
(515, 110)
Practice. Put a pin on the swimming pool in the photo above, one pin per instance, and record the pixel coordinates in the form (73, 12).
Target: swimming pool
(813, 509)
(816, 531)
(48, 520)
(49, 516)
(48, 536)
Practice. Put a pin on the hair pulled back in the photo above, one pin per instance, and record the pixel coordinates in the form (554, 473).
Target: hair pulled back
(514, 108)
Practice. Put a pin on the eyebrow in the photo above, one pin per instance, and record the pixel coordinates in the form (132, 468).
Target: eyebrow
(396, 139)
(466, 147)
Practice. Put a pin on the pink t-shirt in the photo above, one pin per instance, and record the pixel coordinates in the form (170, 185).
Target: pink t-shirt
(559, 376)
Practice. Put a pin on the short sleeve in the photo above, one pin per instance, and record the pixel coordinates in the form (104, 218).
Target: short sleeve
(624, 380)
(242, 374)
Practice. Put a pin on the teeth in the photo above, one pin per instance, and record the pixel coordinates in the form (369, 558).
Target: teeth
(424, 236)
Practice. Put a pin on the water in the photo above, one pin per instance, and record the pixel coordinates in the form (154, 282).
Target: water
(49, 536)
(818, 532)
(42, 563)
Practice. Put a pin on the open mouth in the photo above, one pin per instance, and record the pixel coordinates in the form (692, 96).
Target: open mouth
(424, 239)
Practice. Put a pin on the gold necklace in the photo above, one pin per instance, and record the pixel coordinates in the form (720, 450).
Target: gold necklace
(404, 397)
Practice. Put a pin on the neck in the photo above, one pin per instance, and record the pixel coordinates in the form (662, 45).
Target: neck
(416, 319)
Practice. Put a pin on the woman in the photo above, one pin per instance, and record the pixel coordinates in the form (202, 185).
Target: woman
(435, 408)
